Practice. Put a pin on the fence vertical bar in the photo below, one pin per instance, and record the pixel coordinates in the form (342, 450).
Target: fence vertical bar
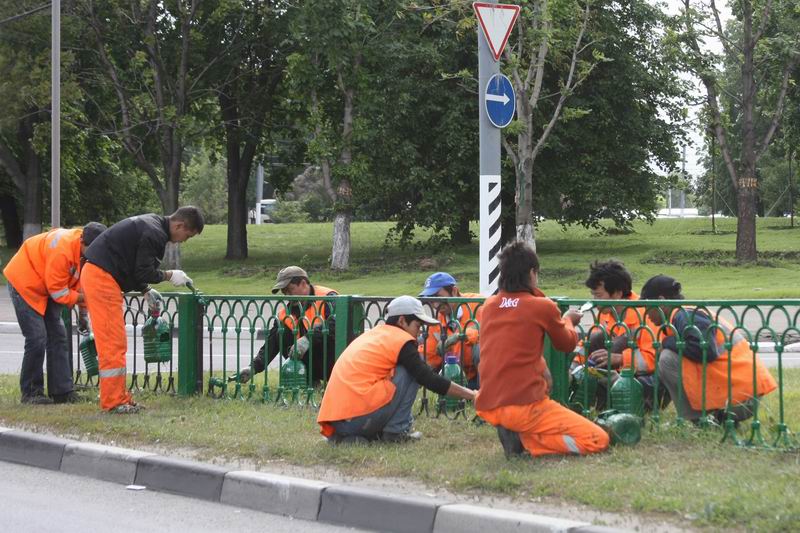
(344, 323)
(190, 345)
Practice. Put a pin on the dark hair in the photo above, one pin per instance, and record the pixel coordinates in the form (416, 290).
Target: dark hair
(612, 274)
(516, 261)
(393, 320)
(191, 216)
(659, 286)
(91, 231)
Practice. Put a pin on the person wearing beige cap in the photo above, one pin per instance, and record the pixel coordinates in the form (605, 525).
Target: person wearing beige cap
(302, 334)
(375, 381)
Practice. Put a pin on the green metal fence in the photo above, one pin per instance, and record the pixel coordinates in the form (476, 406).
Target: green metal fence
(219, 336)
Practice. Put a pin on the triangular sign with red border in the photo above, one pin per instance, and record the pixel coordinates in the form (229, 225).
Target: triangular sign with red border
(497, 21)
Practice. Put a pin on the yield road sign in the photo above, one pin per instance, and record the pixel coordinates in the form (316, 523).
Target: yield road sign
(497, 21)
(500, 101)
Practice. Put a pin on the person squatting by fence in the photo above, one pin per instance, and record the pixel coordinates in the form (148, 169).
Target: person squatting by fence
(126, 258)
(43, 278)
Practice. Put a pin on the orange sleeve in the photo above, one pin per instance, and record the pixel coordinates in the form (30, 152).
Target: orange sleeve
(59, 274)
(562, 332)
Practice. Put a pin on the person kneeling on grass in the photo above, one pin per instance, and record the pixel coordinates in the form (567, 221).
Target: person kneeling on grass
(375, 381)
(515, 380)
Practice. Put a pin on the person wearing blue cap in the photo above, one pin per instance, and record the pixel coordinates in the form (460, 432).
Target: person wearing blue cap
(458, 330)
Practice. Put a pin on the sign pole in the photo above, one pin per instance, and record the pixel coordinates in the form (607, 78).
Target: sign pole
(489, 174)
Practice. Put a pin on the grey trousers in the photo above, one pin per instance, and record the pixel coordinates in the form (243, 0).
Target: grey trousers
(669, 369)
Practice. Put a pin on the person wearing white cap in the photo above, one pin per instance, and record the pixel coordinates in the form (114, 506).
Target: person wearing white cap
(375, 381)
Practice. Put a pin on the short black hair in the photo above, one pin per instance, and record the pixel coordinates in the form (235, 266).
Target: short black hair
(393, 320)
(612, 274)
(91, 231)
(191, 216)
(516, 261)
(659, 286)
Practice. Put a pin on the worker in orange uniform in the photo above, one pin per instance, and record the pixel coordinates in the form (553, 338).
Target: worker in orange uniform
(42, 279)
(623, 325)
(303, 328)
(460, 327)
(126, 258)
(375, 381)
(515, 380)
(692, 326)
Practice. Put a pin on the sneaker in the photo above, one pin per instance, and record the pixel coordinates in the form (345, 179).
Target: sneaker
(512, 444)
(37, 399)
(406, 436)
(126, 409)
(69, 397)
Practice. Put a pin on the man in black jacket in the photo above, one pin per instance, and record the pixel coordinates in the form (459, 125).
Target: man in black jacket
(126, 258)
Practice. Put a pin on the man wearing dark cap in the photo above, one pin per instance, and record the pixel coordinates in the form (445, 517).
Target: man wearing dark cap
(458, 330)
(302, 326)
(43, 278)
(703, 373)
(374, 383)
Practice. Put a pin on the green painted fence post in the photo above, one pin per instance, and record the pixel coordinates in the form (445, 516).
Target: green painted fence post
(343, 323)
(190, 345)
(558, 363)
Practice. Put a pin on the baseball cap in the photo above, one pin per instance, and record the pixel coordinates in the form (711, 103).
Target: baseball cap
(286, 275)
(91, 232)
(661, 285)
(408, 305)
(437, 281)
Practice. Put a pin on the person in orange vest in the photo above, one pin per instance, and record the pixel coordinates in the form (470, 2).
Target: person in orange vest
(695, 327)
(610, 280)
(126, 258)
(460, 327)
(303, 325)
(515, 380)
(43, 278)
(375, 381)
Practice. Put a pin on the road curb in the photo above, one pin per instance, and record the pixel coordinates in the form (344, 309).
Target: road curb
(346, 505)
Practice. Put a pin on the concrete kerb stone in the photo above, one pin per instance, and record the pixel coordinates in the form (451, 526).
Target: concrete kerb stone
(457, 518)
(273, 493)
(358, 507)
(108, 463)
(179, 476)
(32, 449)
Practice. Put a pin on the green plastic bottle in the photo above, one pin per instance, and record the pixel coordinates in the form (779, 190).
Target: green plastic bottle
(157, 336)
(89, 355)
(626, 394)
(623, 428)
(452, 371)
(293, 374)
(583, 390)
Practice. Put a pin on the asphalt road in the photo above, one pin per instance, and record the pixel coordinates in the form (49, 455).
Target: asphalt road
(40, 500)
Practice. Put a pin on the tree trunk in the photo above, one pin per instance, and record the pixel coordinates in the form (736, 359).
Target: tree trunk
(340, 255)
(169, 202)
(524, 173)
(746, 200)
(10, 218)
(237, 219)
(460, 234)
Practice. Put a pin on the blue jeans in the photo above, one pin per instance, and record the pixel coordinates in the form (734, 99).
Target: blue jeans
(394, 417)
(42, 334)
(475, 383)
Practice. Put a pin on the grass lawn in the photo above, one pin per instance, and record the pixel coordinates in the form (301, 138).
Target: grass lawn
(680, 473)
(681, 248)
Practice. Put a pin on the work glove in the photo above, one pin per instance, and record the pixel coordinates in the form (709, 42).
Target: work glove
(450, 341)
(83, 323)
(154, 301)
(299, 348)
(179, 278)
(244, 376)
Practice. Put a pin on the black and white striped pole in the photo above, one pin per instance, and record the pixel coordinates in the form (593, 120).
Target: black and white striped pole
(496, 105)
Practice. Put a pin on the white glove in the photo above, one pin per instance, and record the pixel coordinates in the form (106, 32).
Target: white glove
(299, 348)
(179, 278)
(154, 301)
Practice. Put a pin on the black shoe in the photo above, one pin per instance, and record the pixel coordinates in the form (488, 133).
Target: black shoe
(349, 440)
(69, 397)
(406, 436)
(37, 399)
(512, 444)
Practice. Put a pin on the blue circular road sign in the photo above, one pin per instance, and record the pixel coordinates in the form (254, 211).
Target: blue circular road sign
(500, 101)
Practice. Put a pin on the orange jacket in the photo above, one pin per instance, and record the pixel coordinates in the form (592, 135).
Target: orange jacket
(512, 365)
(468, 316)
(315, 313)
(47, 266)
(741, 359)
(361, 381)
(635, 321)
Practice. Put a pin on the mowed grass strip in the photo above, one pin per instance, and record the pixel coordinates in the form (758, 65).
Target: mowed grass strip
(678, 470)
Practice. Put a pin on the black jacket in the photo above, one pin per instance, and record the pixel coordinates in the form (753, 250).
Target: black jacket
(131, 251)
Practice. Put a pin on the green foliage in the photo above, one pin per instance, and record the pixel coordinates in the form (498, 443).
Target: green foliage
(204, 185)
(289, 212)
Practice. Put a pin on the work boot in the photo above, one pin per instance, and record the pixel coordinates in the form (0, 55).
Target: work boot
(349, 440)
(512, 444)
(36, 399)
(406, 436)
(69, 397)
(126, 409)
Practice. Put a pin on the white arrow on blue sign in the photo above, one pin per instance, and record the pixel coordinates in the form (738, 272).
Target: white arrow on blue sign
(500, 101)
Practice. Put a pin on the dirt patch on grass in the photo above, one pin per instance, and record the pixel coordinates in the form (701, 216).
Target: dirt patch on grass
(718, 258)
